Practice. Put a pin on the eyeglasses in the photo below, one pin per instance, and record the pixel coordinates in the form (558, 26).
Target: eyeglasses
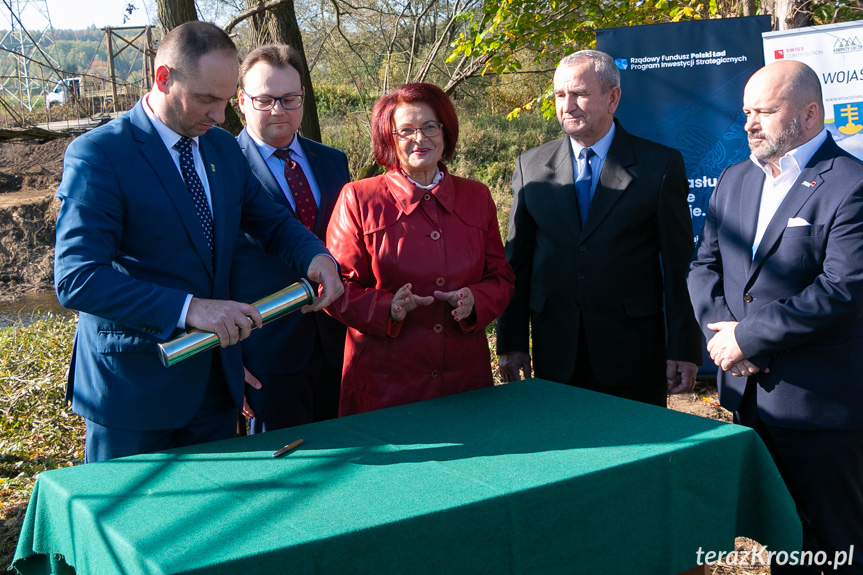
(429, 131)
(264, 103)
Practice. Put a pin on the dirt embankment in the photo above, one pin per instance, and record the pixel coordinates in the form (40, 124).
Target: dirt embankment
(29, 175)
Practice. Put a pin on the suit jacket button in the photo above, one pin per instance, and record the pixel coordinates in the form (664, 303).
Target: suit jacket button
(582, 248)
(439, 282)
(580, 276)
(747, 298)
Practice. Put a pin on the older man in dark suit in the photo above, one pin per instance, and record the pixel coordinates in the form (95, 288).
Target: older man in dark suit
(778, 288)
(294, 365)
(600, 239)
(151, 208)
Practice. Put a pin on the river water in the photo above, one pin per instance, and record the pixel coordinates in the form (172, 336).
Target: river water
(28, 307)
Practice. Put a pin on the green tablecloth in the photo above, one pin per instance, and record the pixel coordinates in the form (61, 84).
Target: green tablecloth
(528, 477)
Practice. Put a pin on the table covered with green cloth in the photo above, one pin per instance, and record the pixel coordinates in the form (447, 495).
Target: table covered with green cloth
(528, 477)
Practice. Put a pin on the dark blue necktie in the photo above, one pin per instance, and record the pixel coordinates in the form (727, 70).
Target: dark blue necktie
(196, 188)
(582, 185)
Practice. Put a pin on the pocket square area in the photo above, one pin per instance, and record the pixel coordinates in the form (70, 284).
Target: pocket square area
(797, 222)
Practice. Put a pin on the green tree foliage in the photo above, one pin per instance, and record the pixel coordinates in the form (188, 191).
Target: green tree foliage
(510, 36)
(73, 56)
(788, 14)
(79, 52)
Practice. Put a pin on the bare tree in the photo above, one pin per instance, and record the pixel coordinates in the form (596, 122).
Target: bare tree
(172, 13)
(279, 25)
(382, 43)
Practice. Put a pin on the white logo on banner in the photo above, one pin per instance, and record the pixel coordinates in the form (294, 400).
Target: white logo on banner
(833, 51)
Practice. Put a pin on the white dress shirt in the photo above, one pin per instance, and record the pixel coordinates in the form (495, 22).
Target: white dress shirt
(277, 167)
(170, 139)
(776, 188)
(597, 161)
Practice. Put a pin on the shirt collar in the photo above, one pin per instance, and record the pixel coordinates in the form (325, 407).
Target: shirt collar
(408, 196)
(600, 148)
(267, 150)
(796, 158)
(169, 136)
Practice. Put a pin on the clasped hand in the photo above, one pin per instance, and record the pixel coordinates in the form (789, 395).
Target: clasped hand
(725, 351)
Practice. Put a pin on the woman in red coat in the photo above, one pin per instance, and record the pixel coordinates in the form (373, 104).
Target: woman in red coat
(423, 260)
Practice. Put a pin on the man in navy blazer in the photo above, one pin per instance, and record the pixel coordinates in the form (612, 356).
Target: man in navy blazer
(294, 366)
(777, 286)
(151, 207)
(600, 287)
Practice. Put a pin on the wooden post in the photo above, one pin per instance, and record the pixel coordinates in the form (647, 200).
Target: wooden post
(110, 39)
(149, 54)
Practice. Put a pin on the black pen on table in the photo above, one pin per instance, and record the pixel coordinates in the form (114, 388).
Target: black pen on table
(288, 447)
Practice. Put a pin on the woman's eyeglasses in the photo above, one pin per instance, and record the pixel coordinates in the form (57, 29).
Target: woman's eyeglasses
(429, 131)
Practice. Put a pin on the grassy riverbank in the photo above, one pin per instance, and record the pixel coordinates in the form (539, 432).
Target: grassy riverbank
(37, 430)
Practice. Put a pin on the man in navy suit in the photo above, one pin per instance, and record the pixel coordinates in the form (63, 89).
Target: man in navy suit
(151, 208)
(294, 366)
(777, 286)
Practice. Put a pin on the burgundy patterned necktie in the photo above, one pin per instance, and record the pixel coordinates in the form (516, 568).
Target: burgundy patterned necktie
(298, 184)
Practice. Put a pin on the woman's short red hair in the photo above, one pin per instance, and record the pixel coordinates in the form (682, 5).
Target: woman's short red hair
(383, 140)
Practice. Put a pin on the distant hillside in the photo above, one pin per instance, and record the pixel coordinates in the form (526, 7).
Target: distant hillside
(75, 52)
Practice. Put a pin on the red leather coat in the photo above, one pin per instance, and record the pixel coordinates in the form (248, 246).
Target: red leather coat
(385, 232)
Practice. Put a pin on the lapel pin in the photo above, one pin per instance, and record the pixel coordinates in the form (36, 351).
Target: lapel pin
(809, 184)
(213, 168)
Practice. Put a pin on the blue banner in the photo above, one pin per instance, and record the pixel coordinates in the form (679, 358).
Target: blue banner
(682, 86)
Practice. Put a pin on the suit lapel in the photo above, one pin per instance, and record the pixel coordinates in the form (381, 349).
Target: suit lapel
(561, 188)
(157, 155)
(328, 188)
(261, 170)
(796, 198)
(750, 200)
(218, 196)
(613, 180)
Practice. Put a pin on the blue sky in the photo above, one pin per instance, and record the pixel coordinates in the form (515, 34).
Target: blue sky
(77, 14)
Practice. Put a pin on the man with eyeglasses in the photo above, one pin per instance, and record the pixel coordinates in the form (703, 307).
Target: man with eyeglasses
(293, 366)
(152, 204)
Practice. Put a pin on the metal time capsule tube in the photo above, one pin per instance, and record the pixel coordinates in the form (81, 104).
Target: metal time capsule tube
(271, 307)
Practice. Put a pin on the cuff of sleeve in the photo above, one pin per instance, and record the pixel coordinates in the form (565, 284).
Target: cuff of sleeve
(182, 323)
(335, 263)
(762, 362)
(394, 328)
(468, 324)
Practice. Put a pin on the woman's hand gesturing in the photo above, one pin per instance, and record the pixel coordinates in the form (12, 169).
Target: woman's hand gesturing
(462, 300)
(405, 301)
